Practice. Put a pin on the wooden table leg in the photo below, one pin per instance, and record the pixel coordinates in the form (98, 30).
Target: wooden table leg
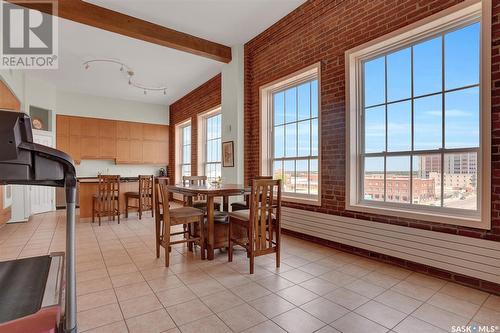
(210, 227)
(225, 203)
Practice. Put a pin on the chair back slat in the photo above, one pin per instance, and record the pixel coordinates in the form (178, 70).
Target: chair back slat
(264, 206)
(108, 190)
(146, 191)
(160, 207)
(195, 181)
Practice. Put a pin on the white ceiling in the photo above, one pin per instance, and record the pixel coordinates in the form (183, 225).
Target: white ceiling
(230, 22)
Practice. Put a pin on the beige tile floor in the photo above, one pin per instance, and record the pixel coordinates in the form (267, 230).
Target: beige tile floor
(122, 287)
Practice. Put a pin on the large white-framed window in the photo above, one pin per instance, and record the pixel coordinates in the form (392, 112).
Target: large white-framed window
(210, 143)
(290, 135)
(183, 160)
(418, 120)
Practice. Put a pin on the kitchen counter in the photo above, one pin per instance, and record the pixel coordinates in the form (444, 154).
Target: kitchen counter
(88, 187)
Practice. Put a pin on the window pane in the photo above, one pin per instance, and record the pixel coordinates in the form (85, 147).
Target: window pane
(428, 122)
(314, 96)
(291, 140)
(427, 73)
(461, 56)
(399, 75)
(219, 150)
(374, 178)
(289, 176)
(314, 137)
(186, 170)
(427, 180)
(304, 138)
(462, 118)
(219, 125)
(278, 170)
(291, 104)
(313, 176)
(279, 141)
(460, 181)
(399, 126)
(302, 179)
(397, 186)
(374, 81)
(375, 129)
(209, 151)
(304, 97)
(186, 155)
(279, 108)
(218, 171)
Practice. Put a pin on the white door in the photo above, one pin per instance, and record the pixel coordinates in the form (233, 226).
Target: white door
(42, 197)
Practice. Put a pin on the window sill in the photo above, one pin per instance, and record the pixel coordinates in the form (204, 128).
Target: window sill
(305, 201)
(436, 217)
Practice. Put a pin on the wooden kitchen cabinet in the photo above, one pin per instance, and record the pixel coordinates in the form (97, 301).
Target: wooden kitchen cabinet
(123, 151)
(89, 148)
(90, 127)
(135, 131)
(123, 141)
(122, 130)
(136, 151)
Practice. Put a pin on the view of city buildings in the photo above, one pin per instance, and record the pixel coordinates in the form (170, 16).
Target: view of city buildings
(457, 184)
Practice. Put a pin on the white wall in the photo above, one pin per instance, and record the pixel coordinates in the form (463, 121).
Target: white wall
(109, 108)
(232, 113)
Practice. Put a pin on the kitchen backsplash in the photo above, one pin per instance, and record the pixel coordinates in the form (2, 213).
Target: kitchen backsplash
(91, 168)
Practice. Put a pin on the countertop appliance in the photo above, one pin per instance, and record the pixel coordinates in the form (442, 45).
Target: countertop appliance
(31, 289)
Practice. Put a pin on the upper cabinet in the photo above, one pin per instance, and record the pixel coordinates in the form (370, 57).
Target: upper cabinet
(125, 142)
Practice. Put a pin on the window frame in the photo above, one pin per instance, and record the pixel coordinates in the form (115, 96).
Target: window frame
(202, 138)
(267, 128)
(180, 151)
(451, 18)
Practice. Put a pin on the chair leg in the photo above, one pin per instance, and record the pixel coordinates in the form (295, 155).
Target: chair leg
(166, 243)
(202, 238)
(126, 207)
(252, 261)
(229, 242)
(93, 210)
(278, 248)
(140, 209)
(190, 235)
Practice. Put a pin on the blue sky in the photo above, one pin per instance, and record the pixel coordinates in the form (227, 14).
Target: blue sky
(461, 107)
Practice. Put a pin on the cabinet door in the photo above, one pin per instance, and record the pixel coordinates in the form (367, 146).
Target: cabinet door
(122, 130)
(135, 131)
(75, 126)
(107, 148)
(163, 153)
(163, 133)
(62, 125)
(149, 132)
(107, 129)
(122, 151)
(136, 151)
(62, 143)
(149, 152)
(75, 148)
(89, 147)
(90, 127)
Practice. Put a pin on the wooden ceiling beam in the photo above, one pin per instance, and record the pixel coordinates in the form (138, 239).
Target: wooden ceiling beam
(106, 19)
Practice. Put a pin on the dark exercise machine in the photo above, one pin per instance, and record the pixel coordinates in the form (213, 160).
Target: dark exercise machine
(32, 289)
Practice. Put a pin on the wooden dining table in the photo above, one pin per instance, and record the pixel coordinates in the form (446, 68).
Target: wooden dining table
(210, 192)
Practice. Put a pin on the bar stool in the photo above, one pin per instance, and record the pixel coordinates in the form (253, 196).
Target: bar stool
(144, 197)
(106, 202)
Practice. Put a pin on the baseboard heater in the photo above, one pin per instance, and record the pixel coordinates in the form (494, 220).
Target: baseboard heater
(478, 258)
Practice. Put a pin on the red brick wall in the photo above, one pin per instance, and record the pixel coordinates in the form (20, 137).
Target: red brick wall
(322, 30)
(205, 97)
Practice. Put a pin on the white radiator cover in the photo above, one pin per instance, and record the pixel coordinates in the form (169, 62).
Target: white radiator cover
(469, 256)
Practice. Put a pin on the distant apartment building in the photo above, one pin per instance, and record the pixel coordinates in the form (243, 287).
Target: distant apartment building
(398, 188)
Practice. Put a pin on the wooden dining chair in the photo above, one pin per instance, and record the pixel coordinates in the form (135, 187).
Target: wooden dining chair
(166, 218)
(200, 201)
(143, 198)
(262, 222)
(106, 202)
(241, 205)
